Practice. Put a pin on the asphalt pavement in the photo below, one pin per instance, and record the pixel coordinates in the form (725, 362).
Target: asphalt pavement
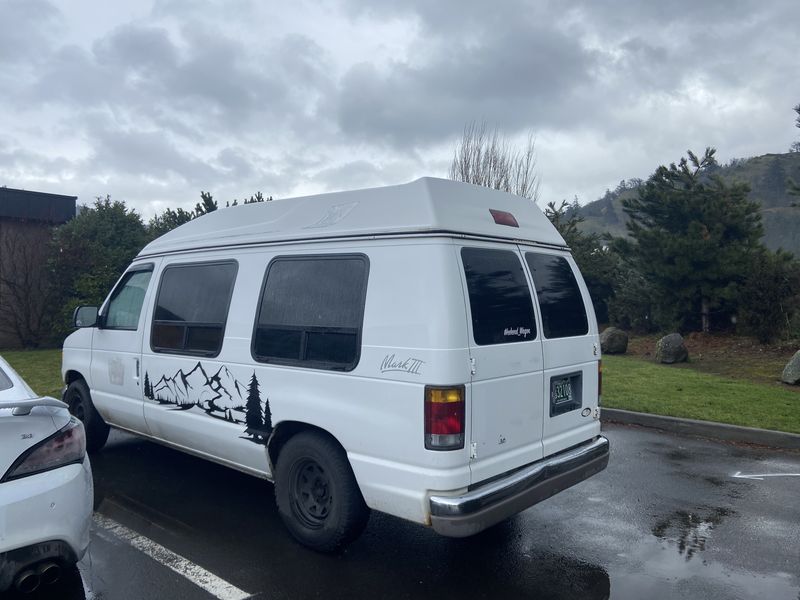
(671, 517)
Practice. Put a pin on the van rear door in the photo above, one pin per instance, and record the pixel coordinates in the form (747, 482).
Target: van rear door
(571, 350)
(506, 404)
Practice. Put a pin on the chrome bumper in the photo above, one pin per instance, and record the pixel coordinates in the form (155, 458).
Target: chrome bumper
(482, 507)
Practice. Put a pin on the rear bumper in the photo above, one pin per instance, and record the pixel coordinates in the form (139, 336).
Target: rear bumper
(482, 507)
(45, 516)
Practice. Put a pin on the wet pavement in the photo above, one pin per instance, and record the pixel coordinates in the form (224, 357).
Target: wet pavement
(667, 519)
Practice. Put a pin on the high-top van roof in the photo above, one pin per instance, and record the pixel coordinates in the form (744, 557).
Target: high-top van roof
(424, 206)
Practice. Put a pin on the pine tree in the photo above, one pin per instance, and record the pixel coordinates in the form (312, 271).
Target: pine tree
(206, 205)
(692, 239)
(254, 417)
(148, 391)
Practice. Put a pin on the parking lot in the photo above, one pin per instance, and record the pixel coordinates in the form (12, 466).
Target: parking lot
(669, 518)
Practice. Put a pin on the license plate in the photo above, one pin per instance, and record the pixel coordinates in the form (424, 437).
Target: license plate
(562, 390)
(565, 393)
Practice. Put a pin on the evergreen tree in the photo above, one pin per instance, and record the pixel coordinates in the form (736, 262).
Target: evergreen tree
(148, 393)
(692, 239)
(167, 221)
(254, 416)
(595, 259)
(206, 205)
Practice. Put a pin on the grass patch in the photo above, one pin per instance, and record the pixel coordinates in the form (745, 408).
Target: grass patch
(643, 386)
(628, 383)
(41, 369)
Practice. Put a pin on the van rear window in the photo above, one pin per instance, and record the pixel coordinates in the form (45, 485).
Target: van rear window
(499, 297)
(560, 300)
(311, 312)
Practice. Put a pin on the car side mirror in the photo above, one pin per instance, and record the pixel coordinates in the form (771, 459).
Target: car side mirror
(85, 316)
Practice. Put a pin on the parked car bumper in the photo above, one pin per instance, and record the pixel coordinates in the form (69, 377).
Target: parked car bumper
(46, 516)
(485, 505)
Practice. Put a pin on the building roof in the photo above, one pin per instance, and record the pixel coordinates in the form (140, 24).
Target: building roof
(427, 205)
(36, 206)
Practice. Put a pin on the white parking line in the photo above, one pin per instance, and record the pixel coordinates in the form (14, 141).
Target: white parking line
(206, 580)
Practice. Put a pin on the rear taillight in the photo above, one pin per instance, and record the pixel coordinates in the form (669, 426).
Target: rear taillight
(444, 417)
(599, 381)
(65, 447)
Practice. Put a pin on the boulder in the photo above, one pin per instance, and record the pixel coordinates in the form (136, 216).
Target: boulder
(671, 349)
(791, 372)
(613, 341)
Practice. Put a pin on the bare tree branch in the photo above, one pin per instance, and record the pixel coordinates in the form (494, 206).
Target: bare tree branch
(487, 158)
(25, 289)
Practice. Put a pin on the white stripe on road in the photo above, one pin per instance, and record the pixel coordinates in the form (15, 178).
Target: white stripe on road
(206, 580)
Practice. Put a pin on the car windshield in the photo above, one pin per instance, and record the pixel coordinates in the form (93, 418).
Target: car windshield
(5, 382)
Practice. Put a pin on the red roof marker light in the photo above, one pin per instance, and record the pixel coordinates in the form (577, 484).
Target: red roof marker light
(502, 217)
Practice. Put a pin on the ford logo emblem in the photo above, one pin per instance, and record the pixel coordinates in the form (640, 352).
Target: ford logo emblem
(586, 412)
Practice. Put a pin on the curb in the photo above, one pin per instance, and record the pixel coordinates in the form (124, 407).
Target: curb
(707, 429)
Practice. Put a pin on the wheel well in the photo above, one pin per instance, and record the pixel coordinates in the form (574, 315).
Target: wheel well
(71, 376)
(285, 431)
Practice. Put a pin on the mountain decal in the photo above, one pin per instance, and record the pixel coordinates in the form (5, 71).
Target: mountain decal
(219, 395)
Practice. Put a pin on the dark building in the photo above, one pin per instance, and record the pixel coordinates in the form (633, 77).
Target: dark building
(26, 220)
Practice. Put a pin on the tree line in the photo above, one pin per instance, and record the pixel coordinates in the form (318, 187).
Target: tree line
(77, 263)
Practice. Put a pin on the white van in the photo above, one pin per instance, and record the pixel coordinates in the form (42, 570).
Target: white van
(428, 350)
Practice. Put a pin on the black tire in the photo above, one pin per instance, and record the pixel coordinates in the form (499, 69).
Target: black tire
(80, 405)
(317, 494)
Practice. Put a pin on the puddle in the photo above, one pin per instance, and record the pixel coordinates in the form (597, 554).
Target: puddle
(690, 531)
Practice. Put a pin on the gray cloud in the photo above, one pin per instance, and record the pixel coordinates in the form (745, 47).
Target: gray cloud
(25, 28)
(245, 96)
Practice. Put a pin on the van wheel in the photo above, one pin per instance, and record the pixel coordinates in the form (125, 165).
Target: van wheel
(317, 494)
(80, 405)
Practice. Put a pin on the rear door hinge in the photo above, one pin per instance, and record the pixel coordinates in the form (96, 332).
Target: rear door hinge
(472, 368)
(473, 451)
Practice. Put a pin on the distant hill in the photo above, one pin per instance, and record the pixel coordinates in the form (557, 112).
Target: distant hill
(766, 176)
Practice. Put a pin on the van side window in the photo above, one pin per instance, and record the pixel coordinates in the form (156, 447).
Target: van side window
(499, 297)
(311, 312)
(560, 300)
(192, 307)
(126, 301)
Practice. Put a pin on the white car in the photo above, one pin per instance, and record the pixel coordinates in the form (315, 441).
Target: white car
(46, 490)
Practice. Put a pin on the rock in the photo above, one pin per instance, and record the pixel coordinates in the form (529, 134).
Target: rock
(791, 372)
(613, 341)
(670, 349)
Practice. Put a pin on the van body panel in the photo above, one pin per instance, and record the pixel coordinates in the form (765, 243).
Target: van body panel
(506, 386)
(115, 374)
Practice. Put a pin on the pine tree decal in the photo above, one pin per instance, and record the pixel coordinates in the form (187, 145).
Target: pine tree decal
(254, 418)
(267, 416)
(148, 389)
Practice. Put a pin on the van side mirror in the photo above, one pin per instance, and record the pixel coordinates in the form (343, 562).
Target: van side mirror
(85, 316)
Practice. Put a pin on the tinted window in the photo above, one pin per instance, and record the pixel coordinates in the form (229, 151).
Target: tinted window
(5, 382)
(126, 302)
(560, 301)
(192, 307)
(311, 312)
(499, 298)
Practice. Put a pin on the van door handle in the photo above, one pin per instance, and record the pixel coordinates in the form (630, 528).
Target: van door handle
(136, 360)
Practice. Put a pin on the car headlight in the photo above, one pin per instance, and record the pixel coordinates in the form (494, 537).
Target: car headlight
(65, 447)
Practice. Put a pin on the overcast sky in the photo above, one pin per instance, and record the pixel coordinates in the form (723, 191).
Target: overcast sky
(153, 101)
